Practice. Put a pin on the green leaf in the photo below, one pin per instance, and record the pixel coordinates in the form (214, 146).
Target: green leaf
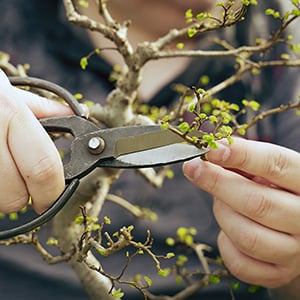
(178, 280)
(78, 96)
(254, 288)
(107, 220)
(13, 216)
(272, 12)
(118, 293)
(189, 240)
(213, 119)
(254, 105)
(230, 140)
(210, 140)
(92, 219)
(164, 126)
(83, 63)
(89, 103)
(52, 241)
(191, 32)
(164, 272)
(234, 107)
(243, 129)
(226, 130)
(184, 126)
(148, 280)
(180, 46)
(170, 174)
(79, 220)
(235, 286)
(204, 80)
(95, 227)
(83, 3)
(201, 16)
(255, 71)
(166, 118)
(192, 107)
(181, 233)
(170, 255)
(181, 260)
(296, 12)
(101, 250)
(214, 279)
(189, 14)
(285, 56)
(170, 241)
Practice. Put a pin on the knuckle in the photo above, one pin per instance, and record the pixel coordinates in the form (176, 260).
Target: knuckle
(248, 241)
(278, 165)
(15, 203)
(257, 205)
(241, 159)
(211, 184)
(45, 170)
(236, 268)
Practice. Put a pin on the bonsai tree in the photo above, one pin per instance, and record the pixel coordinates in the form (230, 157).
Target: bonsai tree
(80, 235)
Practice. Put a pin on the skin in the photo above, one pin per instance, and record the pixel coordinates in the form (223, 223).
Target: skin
(255, 185)
(256, 191)
(30, 163)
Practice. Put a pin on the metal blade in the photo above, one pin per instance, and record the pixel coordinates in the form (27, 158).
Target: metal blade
(146, 141)
(160, 156)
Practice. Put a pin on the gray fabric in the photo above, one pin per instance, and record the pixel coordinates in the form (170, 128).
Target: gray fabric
(29, 32)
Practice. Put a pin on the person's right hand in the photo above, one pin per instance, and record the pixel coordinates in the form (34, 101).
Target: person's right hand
(29, 161)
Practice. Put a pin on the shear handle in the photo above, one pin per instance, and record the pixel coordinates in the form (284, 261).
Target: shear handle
(44, 217)
(50, 87)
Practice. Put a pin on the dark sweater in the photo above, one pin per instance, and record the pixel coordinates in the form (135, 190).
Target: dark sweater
(37, 33)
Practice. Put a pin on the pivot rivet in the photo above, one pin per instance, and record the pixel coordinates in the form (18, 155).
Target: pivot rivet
(96, 145)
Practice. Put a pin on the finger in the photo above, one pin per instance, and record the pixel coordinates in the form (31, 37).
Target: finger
(13, 191)
(276, 164)
(45, 108)
(42, 107)
(251, 270)
(268, 206)
(254, 240)
(35, 156)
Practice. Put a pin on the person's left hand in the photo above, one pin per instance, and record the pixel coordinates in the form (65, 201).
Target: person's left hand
(256, 187)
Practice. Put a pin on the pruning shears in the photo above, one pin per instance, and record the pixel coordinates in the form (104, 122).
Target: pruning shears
(122, 147)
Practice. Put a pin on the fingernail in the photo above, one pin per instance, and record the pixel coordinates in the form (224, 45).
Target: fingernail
(85, 109)
(192, 169)
(221, 154)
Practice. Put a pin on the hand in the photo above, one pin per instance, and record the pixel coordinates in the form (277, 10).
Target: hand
(257, 205)
(30, 163)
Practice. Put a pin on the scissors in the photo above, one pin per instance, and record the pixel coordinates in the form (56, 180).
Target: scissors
(92, 147)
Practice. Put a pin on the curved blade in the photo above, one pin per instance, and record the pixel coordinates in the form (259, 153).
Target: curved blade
(149, 138)
(160, 156)
(151, 146)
